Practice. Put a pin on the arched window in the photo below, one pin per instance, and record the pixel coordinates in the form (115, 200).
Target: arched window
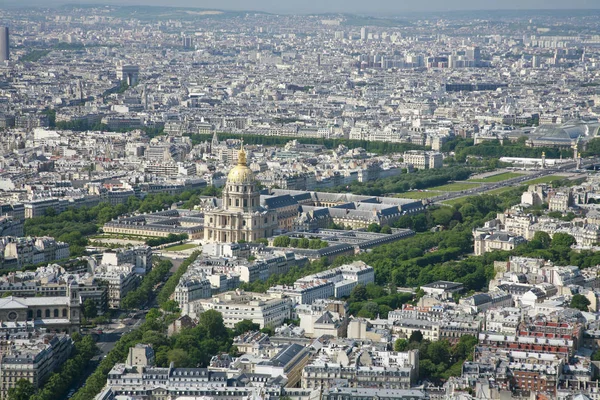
(29, 314)
(39, 314)
(64, 312)
(47, 313)
(56, 313)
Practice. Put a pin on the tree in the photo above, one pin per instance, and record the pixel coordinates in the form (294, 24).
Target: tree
(281, 241)
(580, 302)
(416, 337)
(303, 243)
(562, 239)
(400, 345)
(464, 348)
(180, 358)
(358, 293)
(170, 306)
(439, 352)
(212, 323)
(369, 310)
(374, 228)
(596, 355)
(245, 326)
(543, 238)
(268, 330)
(23, 390)
(386, 229)
(89, 309)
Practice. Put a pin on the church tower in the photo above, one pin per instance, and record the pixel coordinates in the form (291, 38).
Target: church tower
(241, 217)
(241, 191)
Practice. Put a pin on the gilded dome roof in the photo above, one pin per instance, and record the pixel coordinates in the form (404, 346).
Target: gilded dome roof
(241, 174)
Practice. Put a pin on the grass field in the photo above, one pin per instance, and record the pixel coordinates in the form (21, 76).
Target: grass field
(543, 179)
(418, 195)
(455, 187)
(497, 178)
(501, 190)
(452, 202)
(181, 247)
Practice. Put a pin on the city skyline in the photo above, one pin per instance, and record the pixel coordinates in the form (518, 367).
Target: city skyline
(376, 7)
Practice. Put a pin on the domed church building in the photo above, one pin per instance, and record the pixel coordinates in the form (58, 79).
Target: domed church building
(241, 217)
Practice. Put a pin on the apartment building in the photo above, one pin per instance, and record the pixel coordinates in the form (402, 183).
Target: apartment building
(31, 358)
(424, 159)
(262, 309)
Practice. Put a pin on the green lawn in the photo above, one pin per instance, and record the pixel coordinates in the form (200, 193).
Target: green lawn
(181, 247)
(497, 178)
(455, 187)
(418, 195)
(543, 179)
(500, 190)
(457, 200)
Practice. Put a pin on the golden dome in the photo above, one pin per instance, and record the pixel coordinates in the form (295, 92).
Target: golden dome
(241, 174)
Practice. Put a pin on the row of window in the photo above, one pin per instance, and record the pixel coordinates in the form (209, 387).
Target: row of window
(47, 313)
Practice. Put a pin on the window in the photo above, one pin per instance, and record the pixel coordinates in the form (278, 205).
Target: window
(245, 203)
(237, 202)
(56, 313)
(47, 313)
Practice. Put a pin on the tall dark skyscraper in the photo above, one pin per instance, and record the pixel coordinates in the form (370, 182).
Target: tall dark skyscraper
(4, 44)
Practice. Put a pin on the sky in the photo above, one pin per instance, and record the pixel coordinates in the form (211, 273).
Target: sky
(338, 6)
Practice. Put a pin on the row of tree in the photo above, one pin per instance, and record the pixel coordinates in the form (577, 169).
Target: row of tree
(371, 147)
(169, 287)
(170, 238)
(401, 183)
(60, 382)
(192, 347)
(74, 225)
(301, 243)
(145, 291)
(465, 148)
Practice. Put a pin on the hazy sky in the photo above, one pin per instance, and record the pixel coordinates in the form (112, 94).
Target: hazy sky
(363, 6)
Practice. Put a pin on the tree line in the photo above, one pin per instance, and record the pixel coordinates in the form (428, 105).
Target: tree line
(74, 225)
(465, 148)
(401, 183)
(170, 238)
(369, 146)
(145, 291)
(59, 382)
(169, 287)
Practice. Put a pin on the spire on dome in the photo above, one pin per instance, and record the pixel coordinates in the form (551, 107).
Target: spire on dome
(242, 155)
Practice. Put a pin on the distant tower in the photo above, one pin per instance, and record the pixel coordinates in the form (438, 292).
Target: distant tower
(214, 143)
(364, 33)
(575, 149)
(145, 97)
(186, 42)
(543, 160)
(4, 44)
